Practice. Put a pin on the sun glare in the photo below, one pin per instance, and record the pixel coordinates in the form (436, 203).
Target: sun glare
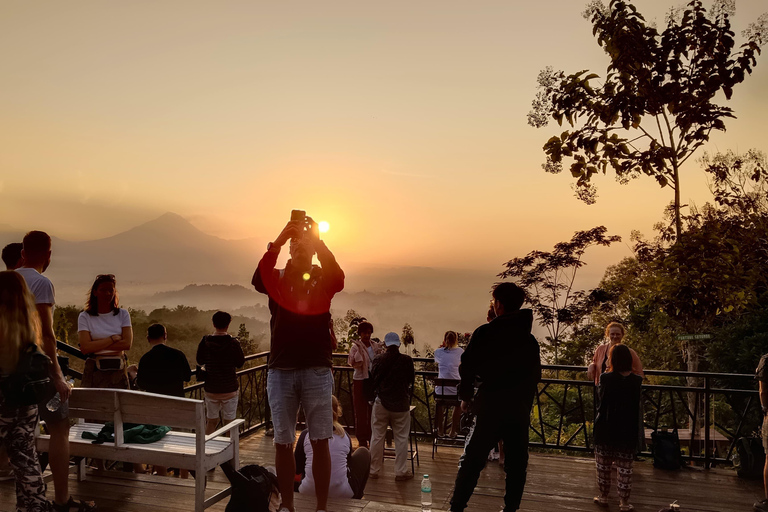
(323, 226)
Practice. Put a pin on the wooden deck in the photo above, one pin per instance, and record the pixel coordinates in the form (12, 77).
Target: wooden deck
(555, 482)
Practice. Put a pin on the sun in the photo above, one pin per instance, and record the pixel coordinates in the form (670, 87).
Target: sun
(323, 226)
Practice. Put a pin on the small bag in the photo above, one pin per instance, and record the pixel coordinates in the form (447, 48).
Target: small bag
(666, 450)
(110, 363)
(751, 458)
(30, 384)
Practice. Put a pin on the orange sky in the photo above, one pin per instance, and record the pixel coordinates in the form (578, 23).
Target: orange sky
(403, 124)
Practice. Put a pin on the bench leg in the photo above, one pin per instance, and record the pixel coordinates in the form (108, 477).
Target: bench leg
(81, 470)
(200, 478)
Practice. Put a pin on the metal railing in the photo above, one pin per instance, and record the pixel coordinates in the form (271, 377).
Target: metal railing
(709, 410)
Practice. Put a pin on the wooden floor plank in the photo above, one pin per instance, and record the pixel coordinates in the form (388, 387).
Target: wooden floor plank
(555, 482)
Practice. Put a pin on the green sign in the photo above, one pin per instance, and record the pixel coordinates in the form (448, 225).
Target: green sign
(683, 337)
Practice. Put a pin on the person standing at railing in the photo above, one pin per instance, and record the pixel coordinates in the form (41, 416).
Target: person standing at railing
(301, 348)
(221, 355)
(614, 333)
(762, 378)
(19, 330)
(105, 334)
(361, 355)
(36, 253)
(616, 426)
(504, 356)
(393, 377)
(448, 358)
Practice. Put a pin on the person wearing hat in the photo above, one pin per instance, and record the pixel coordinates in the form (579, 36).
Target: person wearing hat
(393, 377)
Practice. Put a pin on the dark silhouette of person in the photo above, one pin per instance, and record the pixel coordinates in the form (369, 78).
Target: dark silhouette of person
(504, 356)
(12, 256)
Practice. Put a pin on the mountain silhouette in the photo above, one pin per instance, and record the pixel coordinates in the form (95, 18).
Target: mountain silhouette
(163, 253)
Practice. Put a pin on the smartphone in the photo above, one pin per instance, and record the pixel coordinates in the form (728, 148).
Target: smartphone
(299, 215)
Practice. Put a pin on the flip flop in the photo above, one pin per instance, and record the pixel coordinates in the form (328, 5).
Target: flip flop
(600, 500)
(78, 506)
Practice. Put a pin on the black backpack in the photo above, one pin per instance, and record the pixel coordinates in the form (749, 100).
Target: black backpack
(666, 450)
(30, 384)
(751, 458)
(252, 488)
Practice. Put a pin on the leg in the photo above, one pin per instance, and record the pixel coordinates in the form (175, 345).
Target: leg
(315, 397)
(285, 465)
(439, 408)
(603, 465)
(624, 476)
(401, 429)
(484, 435)
(212, 411)
(359, 467)
(58, 459)
(283, 402)
(456, 423)
(362, 416)
(379, 422)
(515, 439)
(20, 441)
(321, 469)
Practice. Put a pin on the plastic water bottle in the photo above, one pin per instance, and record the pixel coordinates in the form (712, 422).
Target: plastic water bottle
(55, 402)
(426, 494)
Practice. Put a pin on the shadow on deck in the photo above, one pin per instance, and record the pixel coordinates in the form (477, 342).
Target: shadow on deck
(555, 482)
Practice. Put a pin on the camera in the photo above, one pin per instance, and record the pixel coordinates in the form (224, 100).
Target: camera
(301, 216)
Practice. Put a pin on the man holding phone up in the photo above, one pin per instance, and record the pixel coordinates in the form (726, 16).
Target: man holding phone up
(300, 356)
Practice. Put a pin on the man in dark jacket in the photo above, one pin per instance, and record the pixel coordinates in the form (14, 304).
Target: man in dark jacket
(504, 356)
(300, 355)
(393, 376)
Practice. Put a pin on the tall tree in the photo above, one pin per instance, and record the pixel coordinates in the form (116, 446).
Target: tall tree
(548, 280)
(657, 104)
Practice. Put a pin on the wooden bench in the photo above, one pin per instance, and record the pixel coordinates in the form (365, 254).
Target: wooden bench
(193, 451)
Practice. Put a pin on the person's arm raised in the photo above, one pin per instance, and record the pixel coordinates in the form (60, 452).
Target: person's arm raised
(265, 277)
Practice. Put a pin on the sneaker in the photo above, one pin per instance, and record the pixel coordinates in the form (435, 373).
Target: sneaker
(403, 478)
(761, 506)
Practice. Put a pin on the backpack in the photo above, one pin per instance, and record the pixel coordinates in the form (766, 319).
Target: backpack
(751, 458)
(666, 450)
(30, 384)
(252, 488)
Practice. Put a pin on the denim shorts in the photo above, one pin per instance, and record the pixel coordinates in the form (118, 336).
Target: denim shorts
(311, 388)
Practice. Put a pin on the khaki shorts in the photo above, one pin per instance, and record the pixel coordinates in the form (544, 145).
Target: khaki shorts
(227, 408)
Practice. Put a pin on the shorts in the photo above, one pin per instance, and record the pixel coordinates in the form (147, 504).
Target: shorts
(311, 388)
(228, 408)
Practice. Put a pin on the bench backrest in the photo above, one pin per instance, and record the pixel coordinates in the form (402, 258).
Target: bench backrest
(126, 406)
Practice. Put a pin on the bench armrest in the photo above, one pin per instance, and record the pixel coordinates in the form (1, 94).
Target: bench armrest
(232, 425)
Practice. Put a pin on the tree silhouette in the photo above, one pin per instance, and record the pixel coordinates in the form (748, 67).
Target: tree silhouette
(656, 105)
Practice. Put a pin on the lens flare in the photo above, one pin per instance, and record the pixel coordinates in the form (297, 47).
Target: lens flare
(306, 276)
(323, 226)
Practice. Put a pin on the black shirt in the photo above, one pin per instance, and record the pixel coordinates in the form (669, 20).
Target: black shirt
(617, 422)
(164, 370)
(221, 355)
(393, 376)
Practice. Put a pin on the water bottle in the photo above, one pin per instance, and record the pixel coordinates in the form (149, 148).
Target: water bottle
(426, 494)
(55, 402)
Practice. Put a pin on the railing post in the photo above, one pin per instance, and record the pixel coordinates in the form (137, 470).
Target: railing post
(707, 421)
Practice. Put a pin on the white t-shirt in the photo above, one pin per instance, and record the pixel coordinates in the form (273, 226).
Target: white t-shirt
(104, 325)
(448, 361)
(40, 286)
(339, 448)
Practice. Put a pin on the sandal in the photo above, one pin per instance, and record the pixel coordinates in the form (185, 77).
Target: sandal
(626, 508)
(78, 506)
(600, 500)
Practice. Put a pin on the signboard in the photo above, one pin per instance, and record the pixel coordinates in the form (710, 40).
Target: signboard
(683, 337)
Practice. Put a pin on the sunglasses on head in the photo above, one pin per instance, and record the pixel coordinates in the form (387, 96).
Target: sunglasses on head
(104, 277)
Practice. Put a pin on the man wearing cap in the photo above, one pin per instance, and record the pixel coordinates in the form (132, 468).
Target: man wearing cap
(300, 353)
(393, 376)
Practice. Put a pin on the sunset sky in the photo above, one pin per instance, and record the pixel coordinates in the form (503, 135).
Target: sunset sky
(401, 123)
